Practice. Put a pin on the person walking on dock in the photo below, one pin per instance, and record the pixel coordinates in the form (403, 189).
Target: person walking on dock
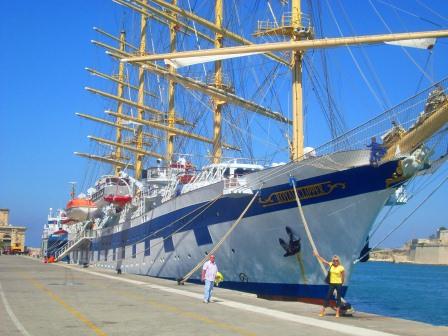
(209, 271)
(336, 277)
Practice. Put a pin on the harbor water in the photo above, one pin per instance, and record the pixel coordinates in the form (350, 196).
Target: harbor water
(409, 291)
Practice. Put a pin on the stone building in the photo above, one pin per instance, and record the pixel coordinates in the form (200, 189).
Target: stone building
(12, 238)
(430, 251)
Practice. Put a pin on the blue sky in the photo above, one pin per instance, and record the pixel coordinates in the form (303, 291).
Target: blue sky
(46, 47)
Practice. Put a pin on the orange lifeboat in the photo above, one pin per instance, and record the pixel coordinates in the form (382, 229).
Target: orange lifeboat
(118, 200)
(80, 209)
(184, 179)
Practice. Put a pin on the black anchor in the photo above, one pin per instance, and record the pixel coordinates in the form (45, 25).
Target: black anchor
(293, 247)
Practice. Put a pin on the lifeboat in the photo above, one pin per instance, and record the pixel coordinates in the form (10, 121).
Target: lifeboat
(118, 200)
(80, 209)
(184, 179)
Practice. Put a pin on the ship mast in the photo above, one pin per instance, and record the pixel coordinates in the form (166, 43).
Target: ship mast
(218, 103)
(297, 101)
(120, 90)
(171, 91)
(140, 99)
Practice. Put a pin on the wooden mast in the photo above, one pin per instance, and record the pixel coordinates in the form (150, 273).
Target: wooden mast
(297, 102)
(171, 91)
(217, 120)
(292, 45)
(120, 90)
(140, 99)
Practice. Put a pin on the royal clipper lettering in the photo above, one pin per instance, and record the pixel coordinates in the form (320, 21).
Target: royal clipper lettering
(304, 193)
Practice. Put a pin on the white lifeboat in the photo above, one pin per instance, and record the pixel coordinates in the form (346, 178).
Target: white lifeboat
(80, 209)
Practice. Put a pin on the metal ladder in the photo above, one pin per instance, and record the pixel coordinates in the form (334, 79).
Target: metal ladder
(73, 244)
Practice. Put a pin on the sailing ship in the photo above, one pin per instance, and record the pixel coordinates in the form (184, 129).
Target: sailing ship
(263, 220)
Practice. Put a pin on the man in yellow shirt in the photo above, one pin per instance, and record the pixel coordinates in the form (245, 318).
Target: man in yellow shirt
(337, 277)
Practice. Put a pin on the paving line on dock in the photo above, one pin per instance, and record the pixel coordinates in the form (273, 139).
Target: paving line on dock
(11, 314)
(178, 311)
(318, 323)
(76, 313)
(194, 316)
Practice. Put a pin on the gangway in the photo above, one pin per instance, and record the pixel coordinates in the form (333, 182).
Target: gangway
(73, 244)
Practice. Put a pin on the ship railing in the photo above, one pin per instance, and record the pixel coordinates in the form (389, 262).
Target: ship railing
(170, 190)
(286, 21)
(66, 248)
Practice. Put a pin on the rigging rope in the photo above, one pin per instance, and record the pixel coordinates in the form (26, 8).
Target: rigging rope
(197, 38)
(375, 77)
(413, 178)
(355, 61)
(208, 205)
(428, 77)
(305, 223)
(408, 12)
(432, 10)
(405, 219)
(218, 245)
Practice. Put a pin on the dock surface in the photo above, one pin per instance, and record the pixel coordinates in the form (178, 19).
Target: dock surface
(59, 299)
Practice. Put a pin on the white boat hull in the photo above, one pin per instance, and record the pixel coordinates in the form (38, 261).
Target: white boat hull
(339, 210)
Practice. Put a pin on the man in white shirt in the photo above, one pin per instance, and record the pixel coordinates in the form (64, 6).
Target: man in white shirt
(208, 275)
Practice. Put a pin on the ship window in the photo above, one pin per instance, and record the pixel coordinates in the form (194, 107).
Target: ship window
(244, 171)
(226, 172)
(112, 180)
(134, 251)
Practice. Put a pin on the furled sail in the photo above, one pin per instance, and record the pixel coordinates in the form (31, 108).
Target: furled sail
(187, 61)
(425, 43)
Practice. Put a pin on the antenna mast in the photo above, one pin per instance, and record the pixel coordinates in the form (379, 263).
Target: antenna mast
(73, 191)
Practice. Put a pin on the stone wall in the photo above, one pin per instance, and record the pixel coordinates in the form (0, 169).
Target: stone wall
(435, 254)
(4, 217)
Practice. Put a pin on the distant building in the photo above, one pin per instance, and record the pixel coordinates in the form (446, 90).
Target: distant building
(390, 255)
(430, 251)
(12, 238)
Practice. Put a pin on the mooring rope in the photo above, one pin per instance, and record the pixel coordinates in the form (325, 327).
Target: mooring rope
(305, 224)
(218, 245)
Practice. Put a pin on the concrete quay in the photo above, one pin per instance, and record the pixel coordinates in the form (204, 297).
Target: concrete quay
(59, 299)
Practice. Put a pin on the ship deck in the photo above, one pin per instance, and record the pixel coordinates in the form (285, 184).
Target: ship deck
(55, 299)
